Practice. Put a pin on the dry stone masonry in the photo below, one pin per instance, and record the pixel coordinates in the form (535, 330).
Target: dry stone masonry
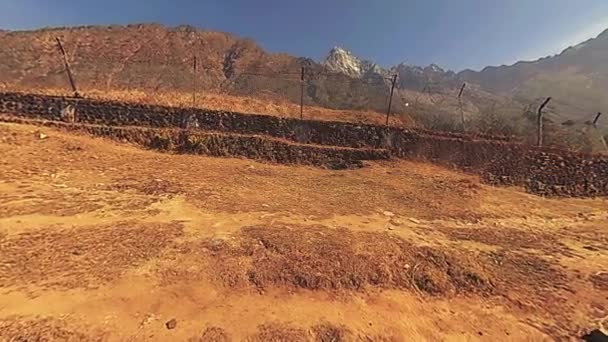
(543, 171)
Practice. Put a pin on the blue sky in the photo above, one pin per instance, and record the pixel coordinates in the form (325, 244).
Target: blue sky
(455, 34)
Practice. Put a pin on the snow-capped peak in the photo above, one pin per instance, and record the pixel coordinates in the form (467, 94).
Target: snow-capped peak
(435, 68)
(343, 61)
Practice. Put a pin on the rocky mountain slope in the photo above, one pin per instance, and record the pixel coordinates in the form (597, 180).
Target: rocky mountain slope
(156, 58)
(577, 79)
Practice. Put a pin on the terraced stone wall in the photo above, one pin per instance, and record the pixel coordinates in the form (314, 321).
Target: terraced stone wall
(499, 161)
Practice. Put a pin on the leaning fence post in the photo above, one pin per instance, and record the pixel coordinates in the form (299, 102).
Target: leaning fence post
(539, 123)
(194, 82)
(597, 117)
(302, 94)
(67, 67)
(601, 136)
(390, 99)
(460, 106)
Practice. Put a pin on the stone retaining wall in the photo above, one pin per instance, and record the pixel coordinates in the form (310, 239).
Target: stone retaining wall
(224, 145)
(544, 171)
(113, 113)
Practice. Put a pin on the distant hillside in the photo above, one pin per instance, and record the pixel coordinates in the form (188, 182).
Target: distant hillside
(157, 59)
(577, 79)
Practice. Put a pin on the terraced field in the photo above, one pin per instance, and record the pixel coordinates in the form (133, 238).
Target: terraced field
(103, 240)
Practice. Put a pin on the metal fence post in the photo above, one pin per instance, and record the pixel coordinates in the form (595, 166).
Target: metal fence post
(597, 117)
(460, 106)
(390, 99)
(539, 123)
(67, 67)
(302, 94)
(194, 82)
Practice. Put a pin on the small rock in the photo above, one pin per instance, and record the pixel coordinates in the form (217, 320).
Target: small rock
(42, 136)
(265, 206)
(171, 324)
(413, 220)
(390, 228)
(388, 213)
(396, 222)
(149, 319)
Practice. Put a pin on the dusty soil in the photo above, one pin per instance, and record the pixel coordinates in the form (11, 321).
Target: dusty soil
(103, 241)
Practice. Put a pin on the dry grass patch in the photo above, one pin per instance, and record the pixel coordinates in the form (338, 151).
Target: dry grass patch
(318, 258)
(600, 280)
(508, 238)
(327, 332)
(43, 329)
(278, 332)
(212, 334)
(83, 257)
(530, 280)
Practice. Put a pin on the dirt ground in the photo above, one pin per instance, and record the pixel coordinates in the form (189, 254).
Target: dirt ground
(104, 241)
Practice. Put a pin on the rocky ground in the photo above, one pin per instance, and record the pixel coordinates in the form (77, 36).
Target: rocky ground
(105, 241)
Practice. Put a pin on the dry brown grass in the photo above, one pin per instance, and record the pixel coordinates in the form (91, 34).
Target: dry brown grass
(528, 282)
(282, 332)
(225, 102)
(212, 334)
(509, 238)
(405, 188)
(600, 280)
(278, 332)
(42, 329)
(327, 332)
(321, 258)
(84, 257)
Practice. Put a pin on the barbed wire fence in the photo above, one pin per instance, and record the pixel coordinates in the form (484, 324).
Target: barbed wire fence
(308, 87)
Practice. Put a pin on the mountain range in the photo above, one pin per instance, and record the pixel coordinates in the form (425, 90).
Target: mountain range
(156, 58)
